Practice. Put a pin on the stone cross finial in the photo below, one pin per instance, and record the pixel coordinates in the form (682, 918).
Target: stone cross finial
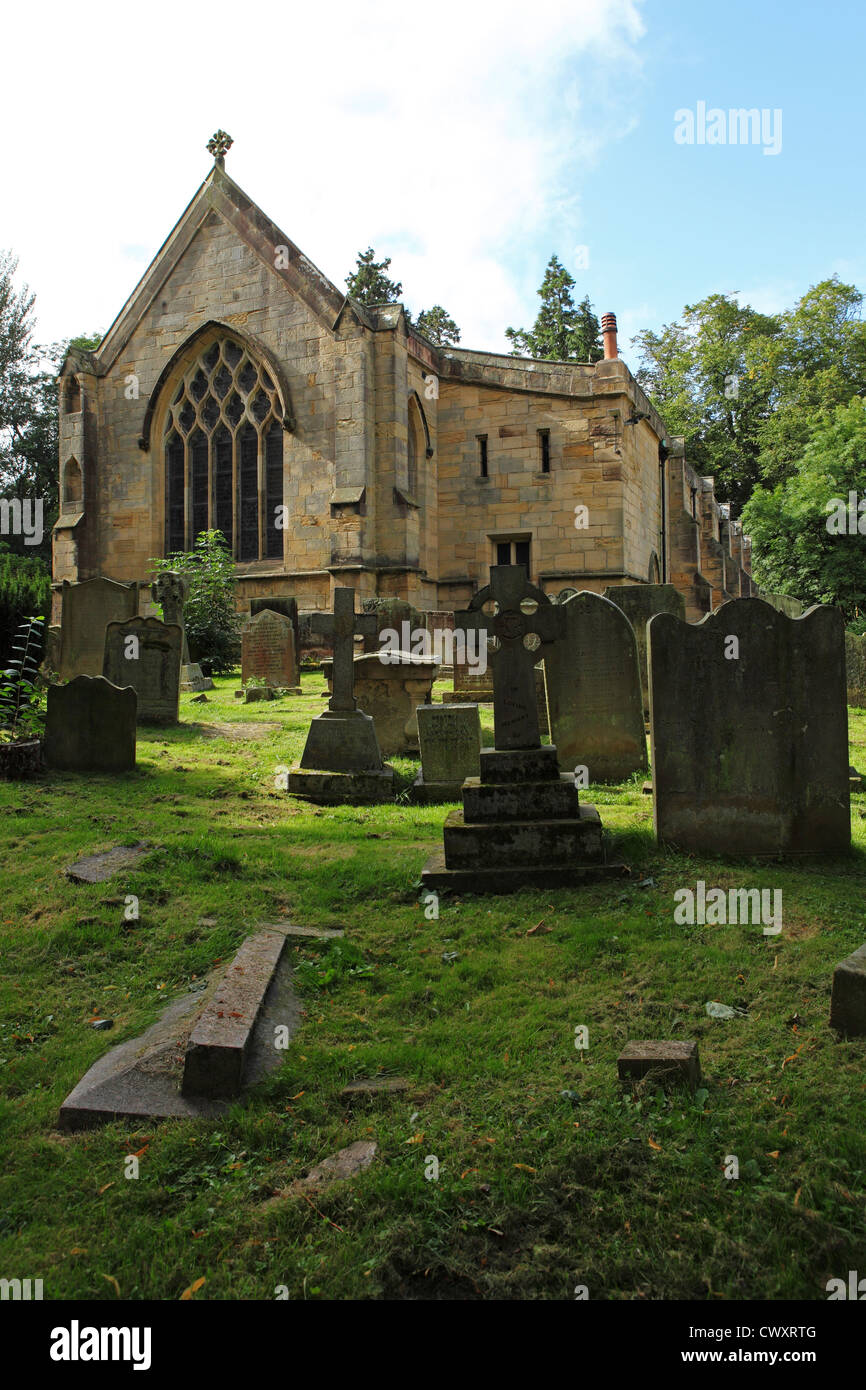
(219, 145)
(341, 626)
(522, 622)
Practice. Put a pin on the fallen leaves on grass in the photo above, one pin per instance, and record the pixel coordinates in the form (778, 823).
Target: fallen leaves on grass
(193, 1289)
(110, 1279)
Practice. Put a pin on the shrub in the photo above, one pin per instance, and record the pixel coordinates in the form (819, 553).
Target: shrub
(21, 698)
(25, 588)
(211, 622)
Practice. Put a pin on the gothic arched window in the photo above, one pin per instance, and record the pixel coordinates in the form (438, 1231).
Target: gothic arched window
(223, 451)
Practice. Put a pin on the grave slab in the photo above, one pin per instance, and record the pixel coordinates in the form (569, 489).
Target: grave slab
(141, 1079)
(217, 1051)
(97, 868)
(668, 1063)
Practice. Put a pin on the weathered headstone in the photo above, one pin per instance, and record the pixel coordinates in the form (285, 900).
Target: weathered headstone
(450, 739)
(855, 668)
(593, 691)
(390, 613)
(750, 731)
(848, 999)
(170, 590)
(280, 603)
(146, 654)
(90, 726)
(268, 650)
(522, 821)
(639, 603)
(87, 609)
(342, 760)
(390, 692)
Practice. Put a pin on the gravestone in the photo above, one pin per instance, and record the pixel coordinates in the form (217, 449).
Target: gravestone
(268, 650)
(146, 654)
(391, 691)
(594, 693)
(855, 668)
(639, 603)
(342, 761)
(750, 731)
(87, 609)
(90, 726)
(450, 739)
(170, 590)
(848, 998)
(389, 613)
(522, 822)
(278, 603)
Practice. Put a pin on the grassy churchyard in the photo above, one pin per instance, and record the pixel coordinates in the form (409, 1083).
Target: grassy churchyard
(551, 1173)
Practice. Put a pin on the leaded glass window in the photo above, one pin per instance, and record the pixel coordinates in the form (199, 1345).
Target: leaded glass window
(223, 450)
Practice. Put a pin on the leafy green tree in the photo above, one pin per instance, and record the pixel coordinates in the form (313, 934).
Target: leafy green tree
(211, 621)
(801, 532)
(28, 406)
(438, 325)
(713, 377)
(563, 331)
(369, 283)
(821, 364)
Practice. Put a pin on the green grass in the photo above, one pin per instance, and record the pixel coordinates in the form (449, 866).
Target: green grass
(538, 1191)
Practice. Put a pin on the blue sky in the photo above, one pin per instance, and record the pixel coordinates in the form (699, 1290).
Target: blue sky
(466, 141)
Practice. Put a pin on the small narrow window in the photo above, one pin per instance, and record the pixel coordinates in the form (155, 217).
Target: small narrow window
(482, 454)
(544, 450)
(521, 554)
(71, 396)
(503, 553)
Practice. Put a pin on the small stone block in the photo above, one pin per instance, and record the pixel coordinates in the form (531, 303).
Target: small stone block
(519, 764)
(255, 693)
(647, 788)
(848, 999)
(218, 1044)
(668, 1063)
(374, 1086)
(342, 788)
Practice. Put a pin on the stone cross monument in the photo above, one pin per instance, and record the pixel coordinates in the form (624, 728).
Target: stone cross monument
(522, 623)
(522, 822)
(342, 761)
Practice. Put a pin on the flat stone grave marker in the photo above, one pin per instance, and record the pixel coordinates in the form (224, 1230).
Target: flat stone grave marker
(196, 1058)
(268, 650)
(146, 654)
(450, 738)
(668, 1063)
(96, 868)
(594, 691)
(750, 731)
(90, 726)
(87, 609)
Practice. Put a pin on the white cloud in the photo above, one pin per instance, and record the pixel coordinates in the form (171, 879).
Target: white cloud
(450, 137)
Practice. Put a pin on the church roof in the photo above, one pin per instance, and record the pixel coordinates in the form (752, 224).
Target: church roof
(220, 194)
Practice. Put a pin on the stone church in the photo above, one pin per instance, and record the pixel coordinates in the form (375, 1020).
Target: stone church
(333, 444)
